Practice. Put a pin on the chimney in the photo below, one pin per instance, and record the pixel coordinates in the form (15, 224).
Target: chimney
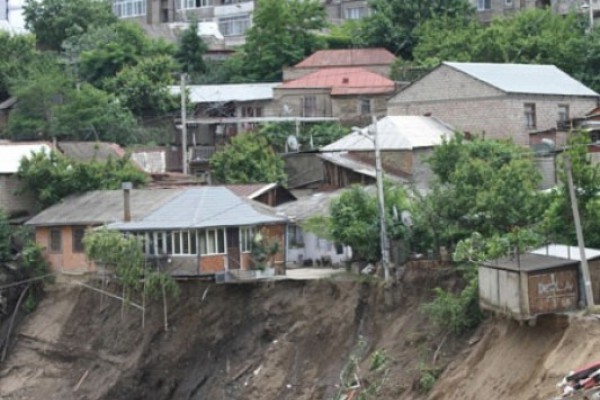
(126, 186)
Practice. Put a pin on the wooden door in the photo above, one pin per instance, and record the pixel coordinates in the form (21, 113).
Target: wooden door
(233, 248)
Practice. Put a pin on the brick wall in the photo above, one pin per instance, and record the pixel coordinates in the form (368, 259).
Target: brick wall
(212, 264)
(471, 106)
(66, 260)
(12, 203)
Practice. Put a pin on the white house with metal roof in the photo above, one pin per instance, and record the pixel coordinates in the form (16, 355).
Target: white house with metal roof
(405, 143)
(496, 100)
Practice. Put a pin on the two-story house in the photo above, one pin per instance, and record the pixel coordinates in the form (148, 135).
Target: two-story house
(496, 100)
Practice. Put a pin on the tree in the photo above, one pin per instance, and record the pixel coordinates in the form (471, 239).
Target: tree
(248, 159)
(17, 51)
(53, 21)
(392, 23)
(282, 34)
(51, 176)
(143, 88)
(310, 136)
(5, 236)
(191, 50)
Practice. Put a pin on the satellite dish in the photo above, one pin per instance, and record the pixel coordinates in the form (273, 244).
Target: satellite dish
(406, 219)
(287, 110)
(292, 143)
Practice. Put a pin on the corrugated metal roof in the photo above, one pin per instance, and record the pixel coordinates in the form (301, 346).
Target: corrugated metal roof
(102, 207)
(566, 252)
(347, 57)
(525, 78)
(225, 93)
(396, 133)
(202, 208)
(86, 151)
(529, 262)
(12, 153)
(343, 159)
(343, 81)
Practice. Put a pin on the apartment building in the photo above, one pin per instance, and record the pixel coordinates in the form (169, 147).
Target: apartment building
(233, 17)
(488, 9)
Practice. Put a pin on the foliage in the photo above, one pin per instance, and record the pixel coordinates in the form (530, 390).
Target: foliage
(51, 177)
(558, 223)
(33, 261)
(5, 236)
(191, 50)
(53, 21)
(456, 313)
(392, 23)
(156, 282)
(354, 220)
(17, 51)
(282, 34)
(343, 36)
(143, 87)
(309, 136)
(427, 379)
(483, 186)
(263, 250)
(248, 159)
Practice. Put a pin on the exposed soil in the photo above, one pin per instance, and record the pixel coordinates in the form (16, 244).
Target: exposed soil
(284, 340)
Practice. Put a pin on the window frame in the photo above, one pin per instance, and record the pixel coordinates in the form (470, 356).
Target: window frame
(484, 5)
(564, 113)
(216, 247)
(76, 240)
(309, 106)
(235, 26)
(365, 104)
(129, 8)
(530, 115)
(247, 234)
(53, 239)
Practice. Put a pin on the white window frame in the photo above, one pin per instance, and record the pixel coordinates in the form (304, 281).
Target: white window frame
(508, 3)
(235, 26)
(246, 238)
(206, 248)
(355, 13)
(530, 115)
(129, 8)
(193, 4)
(484, 5)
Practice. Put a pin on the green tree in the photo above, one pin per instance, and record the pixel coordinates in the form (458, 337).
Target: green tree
(190, 51)
(310, 136)
(18, 51)
(143, 88)
(392, 23)
(51, 176)
(5, 236)
(282, 34)
(53, 21)
(248, 159)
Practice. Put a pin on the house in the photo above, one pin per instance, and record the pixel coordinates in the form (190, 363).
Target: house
(572, 253)
(221, 112)
(527, 285)
(270, 194)
(498, 101)
(405, 143)
(350, 94)
(376, 60)
(189, 231)
(306, 248)
(13, 201)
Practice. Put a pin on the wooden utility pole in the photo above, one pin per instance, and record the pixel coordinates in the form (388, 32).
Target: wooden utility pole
(585, 271)
(184, 161)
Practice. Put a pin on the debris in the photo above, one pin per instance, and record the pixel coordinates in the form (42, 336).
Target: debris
(85, 374)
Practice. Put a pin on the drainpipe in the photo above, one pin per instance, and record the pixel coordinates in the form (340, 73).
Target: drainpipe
(126, 186)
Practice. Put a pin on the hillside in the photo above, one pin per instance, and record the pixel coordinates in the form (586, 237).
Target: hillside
(282, 340)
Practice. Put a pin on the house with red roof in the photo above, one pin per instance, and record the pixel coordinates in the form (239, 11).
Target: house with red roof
(351, 94)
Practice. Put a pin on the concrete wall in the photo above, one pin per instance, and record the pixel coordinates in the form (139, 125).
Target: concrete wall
(499, 291)
(315, 250)
(474, 107)
(11, 202)
(303, 169)
(66, 260)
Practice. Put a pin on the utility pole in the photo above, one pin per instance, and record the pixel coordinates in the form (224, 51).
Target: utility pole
(385, 253)
(585, 271)
(184, 163)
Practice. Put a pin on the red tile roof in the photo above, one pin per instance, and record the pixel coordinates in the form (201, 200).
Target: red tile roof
(343, 81)
(347, 58)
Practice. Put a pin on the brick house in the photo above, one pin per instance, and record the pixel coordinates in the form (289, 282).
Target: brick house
(350, 94)
(189, 231)
(496, 100)
(405, 143)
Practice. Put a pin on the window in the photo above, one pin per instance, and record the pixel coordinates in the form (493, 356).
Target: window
(184, 242)
(55, 240)
(129, 8)
(295, 236)
(234, 26)
(563, 112)
(508, 3)
(530, 121)
(365, 106)
(212, 241)
(309, 106)
(355, 12)
(189, 4)
(246, 238)
(483, 5)
(77, 239)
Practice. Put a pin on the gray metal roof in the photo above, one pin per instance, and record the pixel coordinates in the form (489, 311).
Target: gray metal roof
(343, 159)
(396, 133)
(102, 207)
(226, 93)
(203, 207)
(529, 262)
(566, 252)
(525, 78)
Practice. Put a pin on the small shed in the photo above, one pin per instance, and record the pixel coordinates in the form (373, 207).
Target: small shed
(527, 285)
